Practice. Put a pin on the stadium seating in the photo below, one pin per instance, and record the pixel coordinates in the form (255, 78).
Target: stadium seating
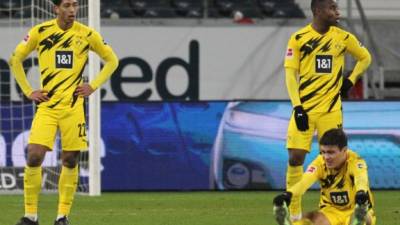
(195, 8)
(115, 9)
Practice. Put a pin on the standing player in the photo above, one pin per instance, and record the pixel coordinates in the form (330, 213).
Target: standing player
(314, 67)
(345, 195)
(62, 45)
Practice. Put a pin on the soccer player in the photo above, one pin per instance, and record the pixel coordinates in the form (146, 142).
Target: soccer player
(314, 66)
(345, 195)
(62, 45)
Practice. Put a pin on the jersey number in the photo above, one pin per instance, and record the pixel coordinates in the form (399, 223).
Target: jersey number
(323, 64)
(340, 198)
(82, 129)
(64, 59)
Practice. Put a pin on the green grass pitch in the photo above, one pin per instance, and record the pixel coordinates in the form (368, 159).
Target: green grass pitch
(179, 208)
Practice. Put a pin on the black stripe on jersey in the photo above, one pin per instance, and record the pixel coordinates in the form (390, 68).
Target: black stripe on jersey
(49, 78)
(326, 47)
(44, 71)
(328, 182)
(347, 36)
(312, 94)
(310, 46)
(55, 104)
(335, 99)
(74, 98)
(309, 109)
(51, 41)
(298, 36)
(67, 43)
(338, 77)
(352, 180)
(85, 49)
(89, 34)
(343, 51)
(307, 83)
(43, 28)
(77, 80)
(54, 89)
(340, 184)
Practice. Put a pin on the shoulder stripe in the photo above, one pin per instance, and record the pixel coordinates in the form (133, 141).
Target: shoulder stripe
(310, 46)
(50, 41)
(43, 28)
(298, 36)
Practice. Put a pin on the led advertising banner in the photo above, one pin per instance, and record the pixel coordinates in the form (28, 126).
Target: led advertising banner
(209, 145)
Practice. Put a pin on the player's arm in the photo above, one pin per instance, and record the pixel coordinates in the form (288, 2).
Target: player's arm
(308, 179)
(360, 172)
(22, 50)
(292, 61)
(363, 57)
(106, 53)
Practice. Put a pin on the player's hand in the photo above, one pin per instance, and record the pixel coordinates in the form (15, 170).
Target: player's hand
(284, 197)
(84, 90)
(301, 118)
(39, 96)
(362, 198)
(346, 86)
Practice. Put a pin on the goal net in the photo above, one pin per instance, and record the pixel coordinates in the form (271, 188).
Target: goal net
(16, 18)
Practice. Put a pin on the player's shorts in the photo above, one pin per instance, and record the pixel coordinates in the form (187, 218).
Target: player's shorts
(69, 121)
(343, 217)
(321, 122)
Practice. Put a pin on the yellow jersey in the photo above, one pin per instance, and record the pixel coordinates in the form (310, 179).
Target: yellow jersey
(62, 56)
(338, 188)
(319, 60)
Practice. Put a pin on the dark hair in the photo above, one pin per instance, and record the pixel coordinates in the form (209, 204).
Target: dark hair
(57, 2)
(335, 137)
(315, 4)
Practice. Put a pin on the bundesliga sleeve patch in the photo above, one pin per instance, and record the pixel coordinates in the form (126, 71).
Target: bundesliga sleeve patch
(289, 53)
(311, 169)
(26, 38)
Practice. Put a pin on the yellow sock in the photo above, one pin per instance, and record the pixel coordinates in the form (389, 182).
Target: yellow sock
(32, 187)
(66, 188)
(293, 175)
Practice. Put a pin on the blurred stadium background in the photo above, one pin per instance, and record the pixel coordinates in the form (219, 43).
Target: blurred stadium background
(199, 103)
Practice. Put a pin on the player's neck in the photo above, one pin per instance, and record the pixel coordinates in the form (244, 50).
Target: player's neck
(320, 27)
(63, 25)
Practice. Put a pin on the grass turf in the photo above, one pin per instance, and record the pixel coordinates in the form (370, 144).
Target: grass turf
(179, 208)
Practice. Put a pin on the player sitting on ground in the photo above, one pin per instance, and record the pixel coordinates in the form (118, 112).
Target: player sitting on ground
(345, 195)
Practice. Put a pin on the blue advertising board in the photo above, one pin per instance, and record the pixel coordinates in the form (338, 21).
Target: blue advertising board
(217, 144)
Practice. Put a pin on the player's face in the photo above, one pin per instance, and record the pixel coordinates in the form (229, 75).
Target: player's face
(67, 10)
(329, 13)
(334, 157)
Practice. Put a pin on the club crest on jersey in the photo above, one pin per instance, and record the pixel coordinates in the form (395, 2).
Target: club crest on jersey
(289, 53)
(311, 169)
